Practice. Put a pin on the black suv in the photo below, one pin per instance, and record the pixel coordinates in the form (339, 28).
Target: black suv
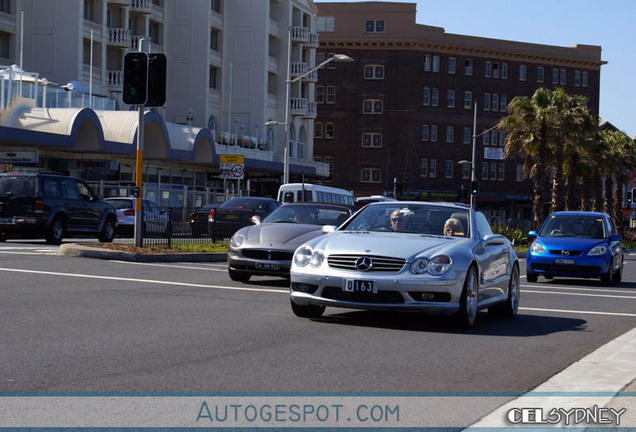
(52, 206)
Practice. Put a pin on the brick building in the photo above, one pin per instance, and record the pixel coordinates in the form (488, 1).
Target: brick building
(404, 110)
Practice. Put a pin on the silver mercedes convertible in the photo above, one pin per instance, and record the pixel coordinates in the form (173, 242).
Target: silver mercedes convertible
(437, 258)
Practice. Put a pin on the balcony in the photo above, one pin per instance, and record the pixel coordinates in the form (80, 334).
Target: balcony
(274, 29)
(312, 110)
(7, 22)
(303, 107)
(120, 2)
(115, 80)
(157, 13)
(141, 7)
(301, 68)
(214, 98)
(300, 34)
(119, 37)
(215, 58)
(216, 20)
(97, 77)
(313, 40)
(95, 27)
(272, 64)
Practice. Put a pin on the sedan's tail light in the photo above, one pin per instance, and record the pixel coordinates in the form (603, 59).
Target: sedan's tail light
(129, 212)
(38, 206)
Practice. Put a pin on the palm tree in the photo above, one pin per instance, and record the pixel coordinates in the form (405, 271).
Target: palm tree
(531, 127)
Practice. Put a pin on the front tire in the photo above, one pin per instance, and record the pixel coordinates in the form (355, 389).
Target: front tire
(237, 276)
(467, 313)
(108, 232)
(511, 307)
(307, 311)
(531, 277)
(3, 237)
(618, 275)
(55, 232)
(606, 278)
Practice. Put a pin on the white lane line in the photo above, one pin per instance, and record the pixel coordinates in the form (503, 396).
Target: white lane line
(183, 267)
(25, 253)
(577, 312)
(148, 281)
(633, 297)
(559, 287)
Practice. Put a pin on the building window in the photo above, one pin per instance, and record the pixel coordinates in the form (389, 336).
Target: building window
(375, 26)
(577, 78)
(372, 106)
(466, 170)
(215, 5)
(484, 171)
(214, 40)
(329, 161)
(331, 94)
(450, 134)
(213, 77)
(468, 99)
(584, 79)
(503, 103)
(425, 132)
(493, 170)
(5, 44)
(433, 133)
(486, 101)
(331, 64)
(5, 6)
(424, 167)
(426, 96)
(501, 170)
(435, 63)
(495, 102)
(485, 137)
(504, 71)
(371, 140)
(540, 74)
(450, 98)
(318, 130)
(495, 70)
(320, 94)
(519, 173)
(468, 67)
(488, 69)
(432, 168)
(329, 130)
(467, 136)
(452, 64)
(562, 77)
(325, 24)
(374, 72)
(522, 72)
(370, 175)
(434, 97)
(448, 169)
(88, 10)
(427, 63)
(555, 76)
(493, 138)
(502, 138)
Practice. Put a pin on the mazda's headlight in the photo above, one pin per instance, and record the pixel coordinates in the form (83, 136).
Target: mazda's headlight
(439, 265)
(302, 256)
(237, 240)
(419, 266)
(537, 248)
(598, 251)
(316, 259)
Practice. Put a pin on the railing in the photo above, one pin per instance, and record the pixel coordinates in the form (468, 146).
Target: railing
(7, 22)
(141, 6)
(119, 36)
(299, 34)
(96, 28)
(115, 78)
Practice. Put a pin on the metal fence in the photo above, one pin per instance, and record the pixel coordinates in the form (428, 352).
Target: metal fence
(178, 225)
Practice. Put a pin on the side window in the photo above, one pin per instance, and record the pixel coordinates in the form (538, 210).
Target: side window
(289, 197)
(70, 189)
(483, 227)
(51, 188)
(85, 192)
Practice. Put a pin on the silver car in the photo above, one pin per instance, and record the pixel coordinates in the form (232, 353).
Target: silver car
(155, 219)
(437, 258)
(267, 248)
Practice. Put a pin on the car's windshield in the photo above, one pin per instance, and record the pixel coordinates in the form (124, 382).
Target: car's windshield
(573, 226)
(308, 214)
(411, 218)
(17, 185)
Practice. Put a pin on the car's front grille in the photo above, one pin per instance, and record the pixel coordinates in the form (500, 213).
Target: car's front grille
(560, 252)
(571, 269)
(264, 254)
(377, 263)
(380, 297)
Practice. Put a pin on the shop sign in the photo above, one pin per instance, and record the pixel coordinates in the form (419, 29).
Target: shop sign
(493, 153)
(32, 157)
(112, 165)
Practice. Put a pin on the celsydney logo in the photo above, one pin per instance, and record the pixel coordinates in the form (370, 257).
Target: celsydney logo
(593, 415)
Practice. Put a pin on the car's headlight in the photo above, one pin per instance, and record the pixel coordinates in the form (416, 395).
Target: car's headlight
(316, 259)
(439, 265)
(537, 248)
(598, 250)
(237, 240)
(419, 266)
(302, 256)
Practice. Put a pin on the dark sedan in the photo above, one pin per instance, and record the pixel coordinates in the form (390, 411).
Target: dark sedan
(267, 249)
(201, 218)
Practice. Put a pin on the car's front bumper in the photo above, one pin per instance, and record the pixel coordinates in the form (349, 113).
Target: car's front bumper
(261, 264)
(403, 292)
(579, 266)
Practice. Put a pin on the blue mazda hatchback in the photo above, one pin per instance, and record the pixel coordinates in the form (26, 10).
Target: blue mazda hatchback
(576, 244)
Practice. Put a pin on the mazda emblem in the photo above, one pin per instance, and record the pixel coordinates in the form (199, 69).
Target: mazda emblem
(565, 252)
(364, 263)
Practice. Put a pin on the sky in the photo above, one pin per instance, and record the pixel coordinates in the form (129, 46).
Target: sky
(610, 24)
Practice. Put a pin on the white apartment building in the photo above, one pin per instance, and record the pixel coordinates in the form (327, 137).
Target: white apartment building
(227, 75)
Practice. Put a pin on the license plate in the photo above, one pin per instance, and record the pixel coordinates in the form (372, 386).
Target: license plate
(231, 217)
(564, 261)
(266, 266)
(360, 286)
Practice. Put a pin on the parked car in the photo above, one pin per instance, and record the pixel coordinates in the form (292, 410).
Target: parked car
(52, 206)
(201, 218)
(236, 213)
(576, 244)
(267, 248)
(406, 256)
(155, 220)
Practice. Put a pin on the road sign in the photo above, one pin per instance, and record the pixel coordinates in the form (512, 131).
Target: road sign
(232, 167)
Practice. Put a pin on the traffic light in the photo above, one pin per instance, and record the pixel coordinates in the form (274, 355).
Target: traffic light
(629, 197)
(135, 86)
(156, 80)
(474, 187)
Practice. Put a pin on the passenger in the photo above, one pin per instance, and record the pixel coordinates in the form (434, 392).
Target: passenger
(399, 221)
(454, 228)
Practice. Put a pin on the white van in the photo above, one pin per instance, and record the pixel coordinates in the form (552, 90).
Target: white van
(306, 192)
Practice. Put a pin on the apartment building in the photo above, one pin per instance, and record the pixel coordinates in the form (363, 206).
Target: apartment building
(227, 75)
(402, 118)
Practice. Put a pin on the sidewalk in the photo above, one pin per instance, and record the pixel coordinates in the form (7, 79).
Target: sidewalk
(85, 251)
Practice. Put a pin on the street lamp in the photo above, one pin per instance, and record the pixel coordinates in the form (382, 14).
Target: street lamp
(289, 82)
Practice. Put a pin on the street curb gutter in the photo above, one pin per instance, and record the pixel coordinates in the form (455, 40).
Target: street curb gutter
(78, 250)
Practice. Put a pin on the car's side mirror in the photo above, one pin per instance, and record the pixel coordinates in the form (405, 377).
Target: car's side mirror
(494, 239)
(97, 197)
(532, 234)
(256, 219)
(328, 229)
(616, 237)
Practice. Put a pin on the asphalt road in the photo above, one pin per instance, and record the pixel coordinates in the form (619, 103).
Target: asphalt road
(85, 325)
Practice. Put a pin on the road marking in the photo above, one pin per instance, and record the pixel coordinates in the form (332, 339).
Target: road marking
(27, 253)
(224, 269)
(149, 281)
(580, 294)
(577, 312)
(559, 287)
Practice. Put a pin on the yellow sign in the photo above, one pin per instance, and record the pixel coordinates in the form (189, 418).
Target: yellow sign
(232, 159)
